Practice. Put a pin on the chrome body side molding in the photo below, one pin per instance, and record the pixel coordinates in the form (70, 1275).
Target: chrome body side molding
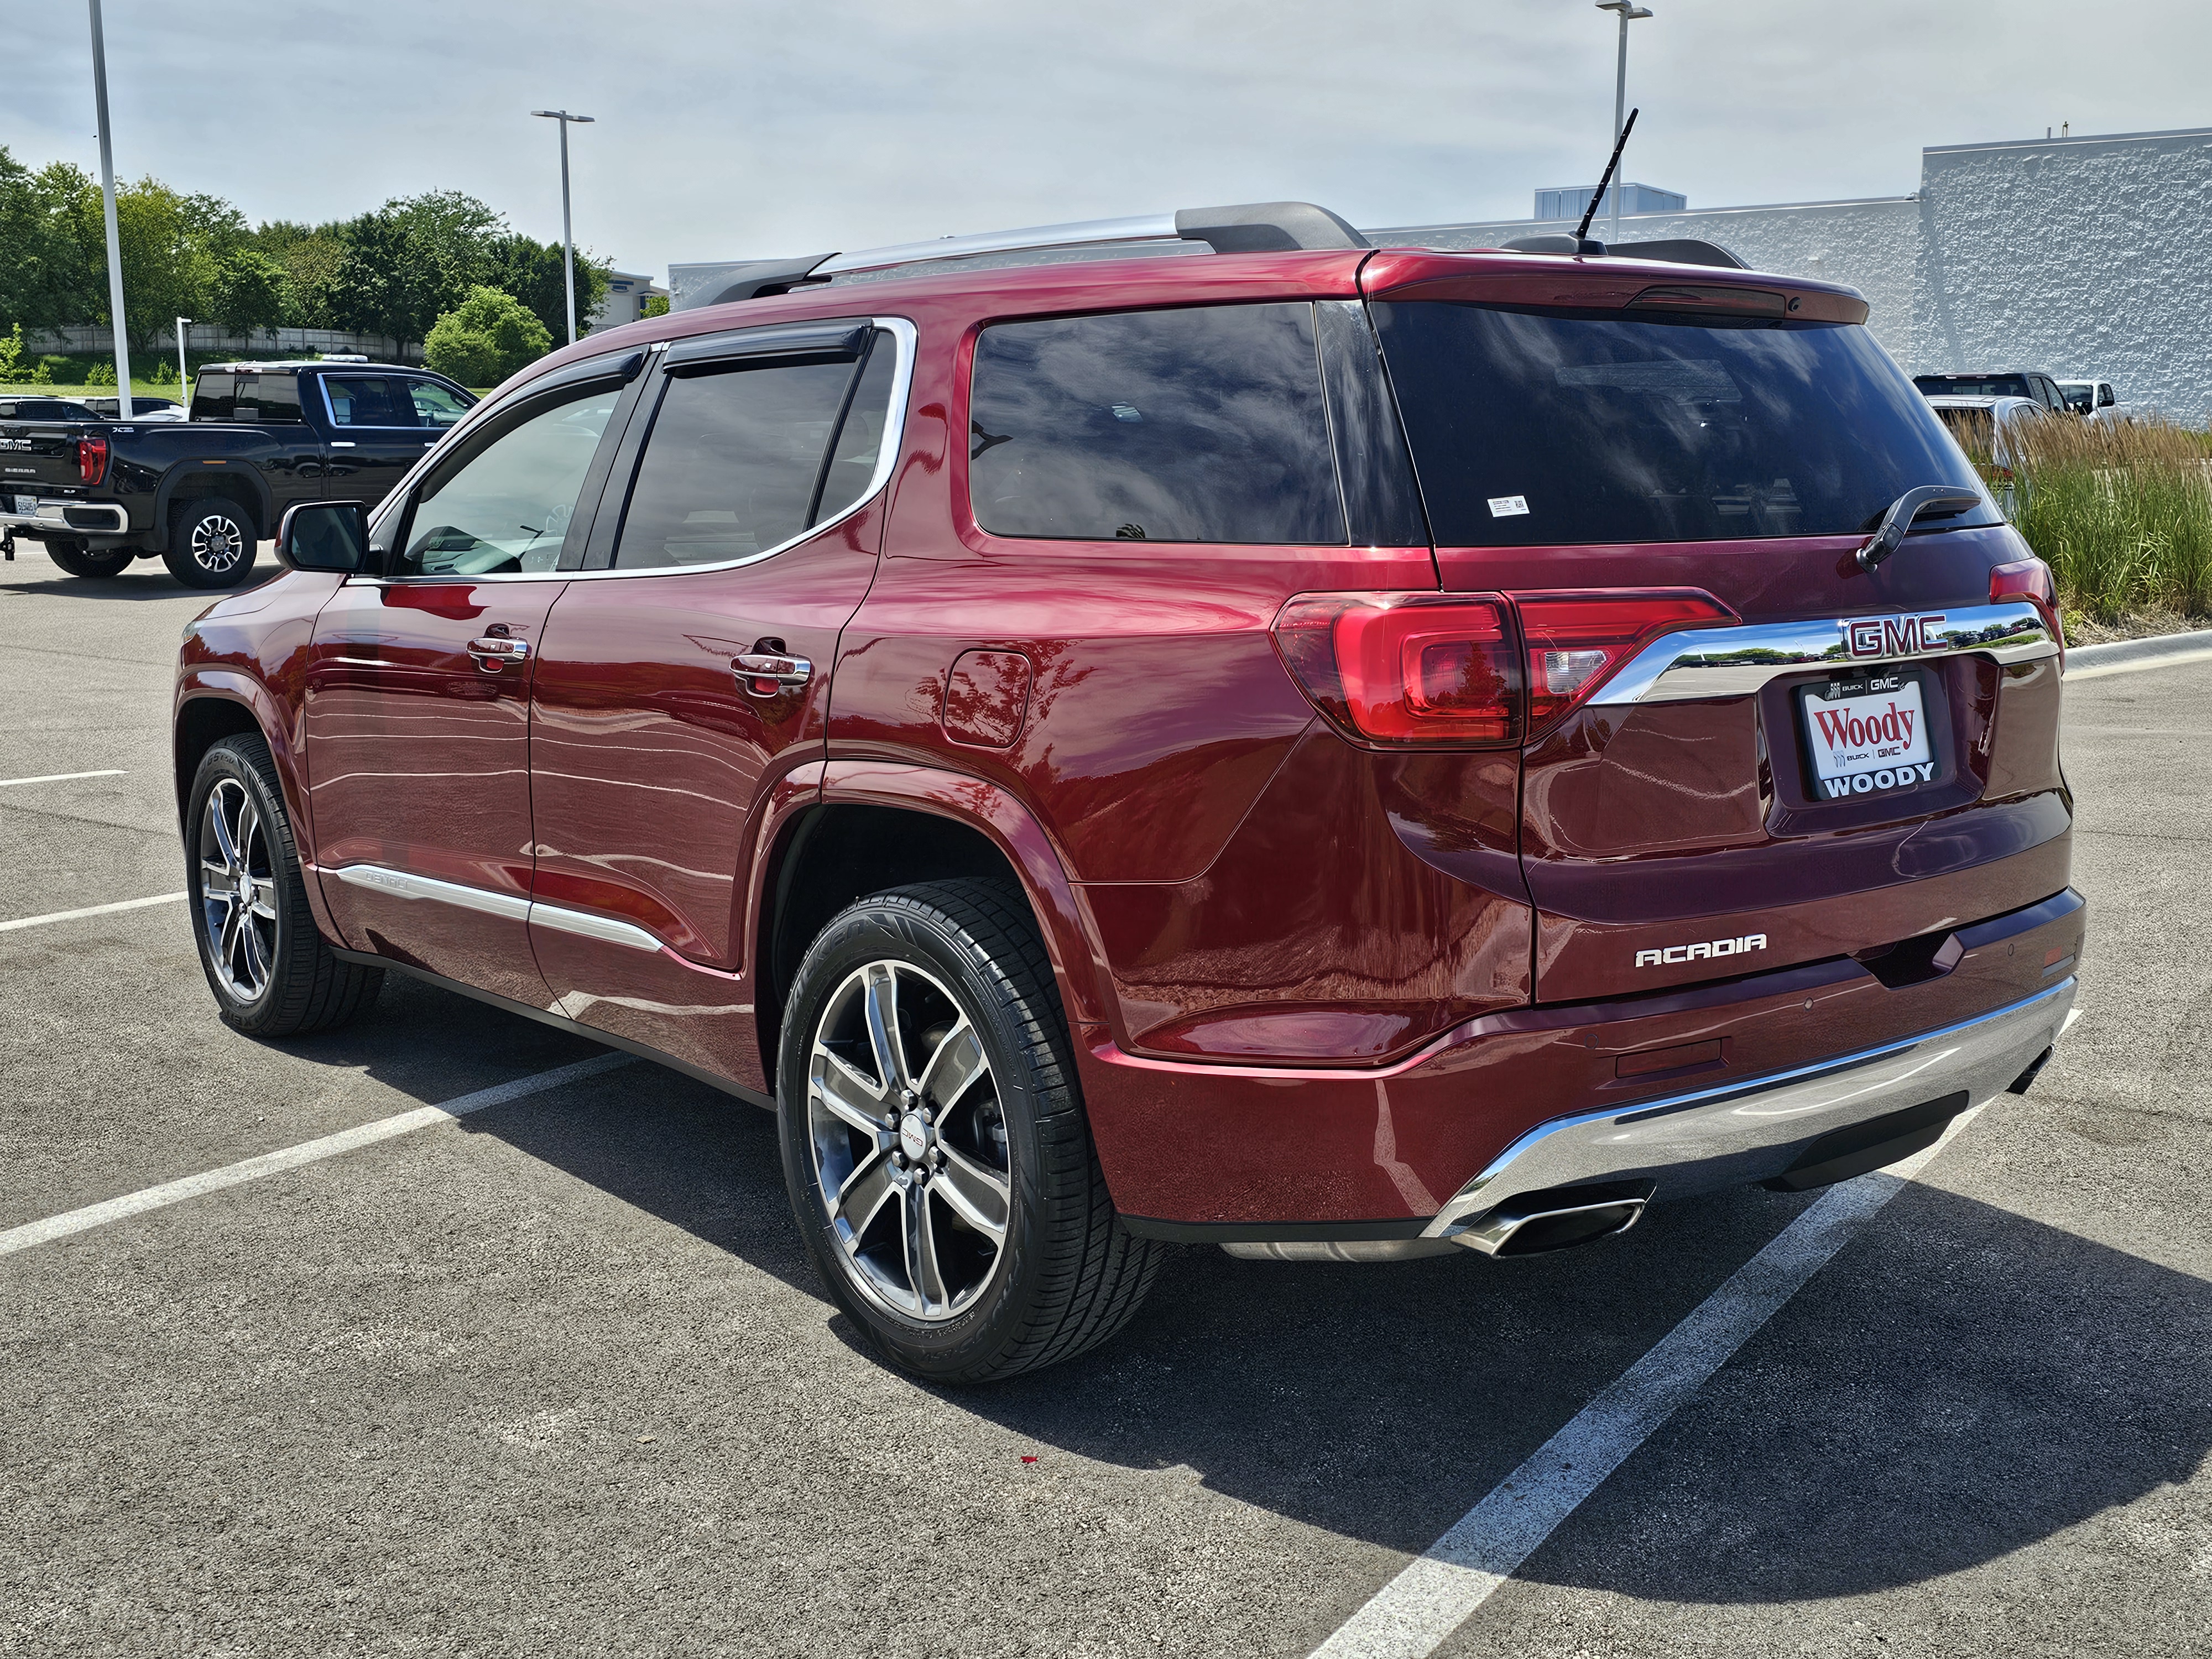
(1733, 1134)
(513, 906)
(1733, 662)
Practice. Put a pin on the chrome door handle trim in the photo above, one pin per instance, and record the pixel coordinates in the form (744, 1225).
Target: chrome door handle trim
(491, 653)
(342, 443)
(764, 675)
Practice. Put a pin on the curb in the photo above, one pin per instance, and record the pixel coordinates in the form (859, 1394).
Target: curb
(2196, 643)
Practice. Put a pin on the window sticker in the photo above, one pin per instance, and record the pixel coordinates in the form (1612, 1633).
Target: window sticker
(1504, 506)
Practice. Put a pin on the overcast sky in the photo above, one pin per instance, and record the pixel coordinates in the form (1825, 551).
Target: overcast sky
(747, 128)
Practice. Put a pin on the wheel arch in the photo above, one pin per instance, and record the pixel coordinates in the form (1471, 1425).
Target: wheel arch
(874, 826)
(230, 479)
(212, 706)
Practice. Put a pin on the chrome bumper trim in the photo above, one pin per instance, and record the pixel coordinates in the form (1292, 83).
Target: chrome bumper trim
(53, 515)
(402, 883)
(1733, 662)
(1735, 1134)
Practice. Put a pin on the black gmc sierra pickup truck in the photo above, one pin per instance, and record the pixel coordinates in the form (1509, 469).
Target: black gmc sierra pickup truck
(200, 494)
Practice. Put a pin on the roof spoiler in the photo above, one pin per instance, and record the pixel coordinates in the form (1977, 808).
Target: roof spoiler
(1674, 251)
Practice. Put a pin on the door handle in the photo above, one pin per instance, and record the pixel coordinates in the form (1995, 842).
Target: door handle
(342, 443)
(762, 675)
(492, 654)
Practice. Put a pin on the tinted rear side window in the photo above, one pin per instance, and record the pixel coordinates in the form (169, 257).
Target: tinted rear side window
(1976, 386)
(1198, 425)
(1535, 428)
(731, 467)
(270, 400)
(212, 397)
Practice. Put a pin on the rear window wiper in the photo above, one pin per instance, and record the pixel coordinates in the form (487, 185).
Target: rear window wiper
(1951, 498)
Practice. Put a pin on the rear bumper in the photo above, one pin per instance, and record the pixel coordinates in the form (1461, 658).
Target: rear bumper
(1732, 1135)
(65, 518)
(1254, 1154)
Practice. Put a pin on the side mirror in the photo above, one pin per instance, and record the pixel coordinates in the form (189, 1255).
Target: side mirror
(324, 536)
(2104, 396)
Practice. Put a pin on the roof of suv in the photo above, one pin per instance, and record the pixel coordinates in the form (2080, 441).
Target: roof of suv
(295, 364)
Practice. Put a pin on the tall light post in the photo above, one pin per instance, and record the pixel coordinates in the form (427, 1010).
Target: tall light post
(123, 409)
(184, 375)
(1630, 11)
(568, 235)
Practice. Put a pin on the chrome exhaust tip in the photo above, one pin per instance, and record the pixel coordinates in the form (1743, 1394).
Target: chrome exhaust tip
(1558, 1220)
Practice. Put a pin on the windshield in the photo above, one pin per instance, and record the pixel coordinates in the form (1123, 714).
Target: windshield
(1532, 428)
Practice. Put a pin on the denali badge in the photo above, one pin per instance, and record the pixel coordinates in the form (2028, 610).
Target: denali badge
(1893, 636)
(1699, 952)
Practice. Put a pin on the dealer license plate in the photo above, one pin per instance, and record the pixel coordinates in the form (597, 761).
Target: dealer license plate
(1867, 735)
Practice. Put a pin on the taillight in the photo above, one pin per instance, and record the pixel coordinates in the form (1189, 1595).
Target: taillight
(1577, 641)
(2031, 579)
(1453, 672)
(91, 458)
(1407, 668)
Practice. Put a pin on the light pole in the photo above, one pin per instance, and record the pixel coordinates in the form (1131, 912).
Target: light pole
(124, 410)
(568, 235)
(184, 375)
(1629, 11)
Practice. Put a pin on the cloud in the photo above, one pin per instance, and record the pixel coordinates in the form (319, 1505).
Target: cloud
(729, 130)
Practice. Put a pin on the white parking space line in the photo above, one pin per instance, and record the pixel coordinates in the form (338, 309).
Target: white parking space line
(60, 777)
(1409, 1616)
(292, 1157)
(89, 911)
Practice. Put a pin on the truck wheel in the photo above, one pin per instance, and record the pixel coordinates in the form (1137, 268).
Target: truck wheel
(78, 560)
(935, 1143)
(272, 972)
(211, 543)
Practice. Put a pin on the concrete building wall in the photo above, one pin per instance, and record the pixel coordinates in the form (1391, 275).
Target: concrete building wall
(2089, 257)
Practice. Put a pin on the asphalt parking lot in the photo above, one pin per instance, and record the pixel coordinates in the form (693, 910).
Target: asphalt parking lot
(556, 1378)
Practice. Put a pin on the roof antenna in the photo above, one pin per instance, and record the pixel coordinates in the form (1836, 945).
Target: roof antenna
(1583, 244)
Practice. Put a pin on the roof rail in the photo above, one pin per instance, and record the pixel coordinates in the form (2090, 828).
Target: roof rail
(1253, 227)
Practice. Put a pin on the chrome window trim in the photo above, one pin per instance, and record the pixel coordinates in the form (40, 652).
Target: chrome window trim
(886, 459)
(1733, 662)
(510, 907)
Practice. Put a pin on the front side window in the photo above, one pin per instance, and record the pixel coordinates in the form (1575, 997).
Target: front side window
(1535, 428)
(746, 456)
(1205, 424)
(505, 508)
(436, 405)
(368, 400)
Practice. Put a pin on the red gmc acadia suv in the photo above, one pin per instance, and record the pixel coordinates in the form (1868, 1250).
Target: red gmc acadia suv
(1341, 753)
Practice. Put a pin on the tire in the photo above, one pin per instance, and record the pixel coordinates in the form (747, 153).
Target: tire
(969, 986)
(274, 976)
(78, 560)
(211, 542)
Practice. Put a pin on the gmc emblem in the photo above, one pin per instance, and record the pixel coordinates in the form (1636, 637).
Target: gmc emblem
(1893, 636)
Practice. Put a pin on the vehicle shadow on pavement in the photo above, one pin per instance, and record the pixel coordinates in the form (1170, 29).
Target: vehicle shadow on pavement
(1961, 1382)
(146, 579)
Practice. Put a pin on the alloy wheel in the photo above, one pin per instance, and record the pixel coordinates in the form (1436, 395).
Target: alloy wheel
(908, 1142)
(217, 543)
(238, 891)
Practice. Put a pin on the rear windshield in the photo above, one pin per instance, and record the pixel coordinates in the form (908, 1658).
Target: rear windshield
(1974, 385)
(1533, 428)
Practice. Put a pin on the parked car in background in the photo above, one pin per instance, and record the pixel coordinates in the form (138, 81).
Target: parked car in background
(2032, 384)
(143, 407)
(47, 408)
(2094, 399)
(1993, 431)
(200, 494)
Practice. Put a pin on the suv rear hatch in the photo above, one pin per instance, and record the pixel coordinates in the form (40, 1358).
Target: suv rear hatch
(1742, 750)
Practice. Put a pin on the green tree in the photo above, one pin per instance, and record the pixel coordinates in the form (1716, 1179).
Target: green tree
(45, 279)
(530, 270)
(247, 292)
(312, 257)
(413, 259)
(172, 246)
(485, 338)
(656, 305)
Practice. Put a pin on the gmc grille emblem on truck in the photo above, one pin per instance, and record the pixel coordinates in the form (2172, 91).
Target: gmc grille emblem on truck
(1674, 954)
(1893, 636)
